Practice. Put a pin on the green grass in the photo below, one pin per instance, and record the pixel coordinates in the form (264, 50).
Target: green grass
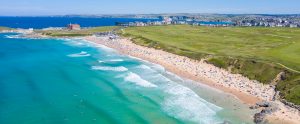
(262, 71)
(251, 51)
(290, 88)
(74, 33)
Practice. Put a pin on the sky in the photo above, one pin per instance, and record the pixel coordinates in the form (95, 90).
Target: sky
(63, 7)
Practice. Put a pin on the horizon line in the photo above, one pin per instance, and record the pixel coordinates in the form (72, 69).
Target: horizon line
(148, 14)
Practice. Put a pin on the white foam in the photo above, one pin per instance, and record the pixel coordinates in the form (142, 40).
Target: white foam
(184, 104)
(132, 77)
(9, 36)
(175, 76)
(13, 36)
(83, 42)
(116, 60)
(144, 67)
(113, 60)
(158, 68)
(108, 68)
(75, 42)
(81, 54)
(103, 47)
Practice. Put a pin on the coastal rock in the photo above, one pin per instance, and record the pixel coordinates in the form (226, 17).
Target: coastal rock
(268, 108)
(254, 107)
(259, 118)
(292, 105)
(266, 111)
(263, 104)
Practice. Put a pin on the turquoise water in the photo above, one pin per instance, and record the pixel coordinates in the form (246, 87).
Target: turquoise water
(57, 81)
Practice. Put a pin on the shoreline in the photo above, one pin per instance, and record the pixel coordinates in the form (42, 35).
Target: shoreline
(125, 46)
(247, 91)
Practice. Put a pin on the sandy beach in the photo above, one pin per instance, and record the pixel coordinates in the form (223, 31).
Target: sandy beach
(248, 91)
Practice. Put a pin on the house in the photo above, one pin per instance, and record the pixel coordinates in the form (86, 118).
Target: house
(73, 26)
(167, 20)
(140, 24)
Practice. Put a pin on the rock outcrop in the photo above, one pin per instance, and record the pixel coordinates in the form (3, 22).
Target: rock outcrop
(267, 109)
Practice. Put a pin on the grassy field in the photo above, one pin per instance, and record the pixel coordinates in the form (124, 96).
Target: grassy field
(256, 52)
(82, 32)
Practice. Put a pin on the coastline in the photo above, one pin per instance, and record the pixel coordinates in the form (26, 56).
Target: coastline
(182, 66)
(248, 91)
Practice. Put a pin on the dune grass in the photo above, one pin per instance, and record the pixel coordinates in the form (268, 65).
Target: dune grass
(255, 52)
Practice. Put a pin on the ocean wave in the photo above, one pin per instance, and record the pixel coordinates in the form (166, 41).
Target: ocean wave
(184, 104)
(81, 54)
(80, 42)
(102, 47)
(108, 68)
(144, 67)
(9, 36)
(113, 60)
(74, 42)
(100, 61)
(134, 78)
(158, 68)
(13, 36)
(116, 60)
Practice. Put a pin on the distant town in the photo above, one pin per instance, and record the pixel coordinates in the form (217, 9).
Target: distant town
(245, 20)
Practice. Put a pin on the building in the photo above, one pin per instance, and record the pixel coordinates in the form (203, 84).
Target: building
(73, 26)
(167, 20)
(293, 26)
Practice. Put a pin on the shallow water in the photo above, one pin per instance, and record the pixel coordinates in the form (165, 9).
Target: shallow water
(73, 81)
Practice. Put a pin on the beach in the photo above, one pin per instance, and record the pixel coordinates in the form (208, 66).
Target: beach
(248, 91)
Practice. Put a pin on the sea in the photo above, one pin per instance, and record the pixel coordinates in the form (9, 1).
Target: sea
(46, 22)
(73, 81)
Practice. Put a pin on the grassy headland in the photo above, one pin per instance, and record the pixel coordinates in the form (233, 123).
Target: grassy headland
(256, 52)
(4, 28)
(72, 33)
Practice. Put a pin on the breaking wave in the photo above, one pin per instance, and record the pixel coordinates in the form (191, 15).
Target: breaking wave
(116, 60)
(108, 68)
(113, 60)
(184, 104)
(181, 102)
(81, 54)
(134, 78)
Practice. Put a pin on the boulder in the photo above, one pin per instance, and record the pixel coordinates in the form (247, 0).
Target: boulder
(254, 107)
(259, 118)
(263, 104)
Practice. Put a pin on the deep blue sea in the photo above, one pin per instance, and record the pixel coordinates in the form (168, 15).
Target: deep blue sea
(45, 22)
(71, 81)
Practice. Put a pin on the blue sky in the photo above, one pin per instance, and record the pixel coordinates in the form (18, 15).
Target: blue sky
(61, 7)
